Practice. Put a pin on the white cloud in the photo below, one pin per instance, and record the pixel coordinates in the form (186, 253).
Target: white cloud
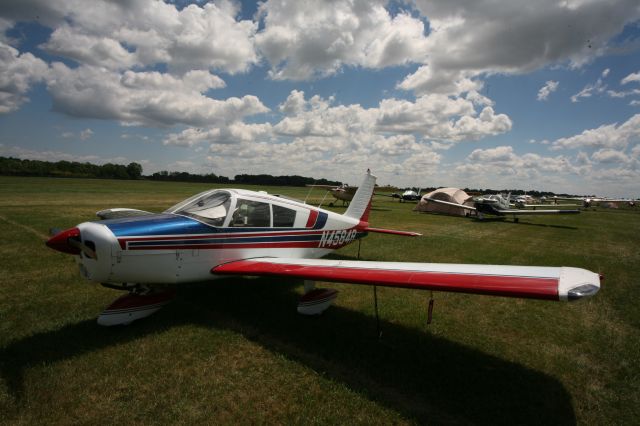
(89, 49)
(82, 135)
(606, 136)
(235, 133)
(610, 156)
(589, 90)
(18, 72)
(148, 98)
(548, 88)
(631, 78)
(475, 38)
(309, 39)
(86, 134)
(119, 35)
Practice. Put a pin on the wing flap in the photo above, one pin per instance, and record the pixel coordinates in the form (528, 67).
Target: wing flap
(512, 281)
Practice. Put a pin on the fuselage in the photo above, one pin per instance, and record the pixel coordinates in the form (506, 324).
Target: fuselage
(182, 244)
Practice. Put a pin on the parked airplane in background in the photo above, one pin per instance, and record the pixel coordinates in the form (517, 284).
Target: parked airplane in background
(593, 201)
(225, 232)
(343, 193)
(408, 195)
(497, 205)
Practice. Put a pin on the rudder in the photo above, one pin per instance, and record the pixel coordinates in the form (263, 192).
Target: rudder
(361, 203)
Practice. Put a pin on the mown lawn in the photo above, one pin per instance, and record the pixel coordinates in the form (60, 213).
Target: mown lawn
(235, 351)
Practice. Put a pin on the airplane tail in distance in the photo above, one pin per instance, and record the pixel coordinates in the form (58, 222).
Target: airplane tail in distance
(361, 204)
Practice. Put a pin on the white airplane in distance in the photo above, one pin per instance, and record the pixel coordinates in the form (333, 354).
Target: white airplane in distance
(407, 195)
(225, 232)
(343, 192)
(593, 201)
(497, 205)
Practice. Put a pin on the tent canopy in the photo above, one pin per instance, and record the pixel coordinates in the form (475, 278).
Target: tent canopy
(452, 195)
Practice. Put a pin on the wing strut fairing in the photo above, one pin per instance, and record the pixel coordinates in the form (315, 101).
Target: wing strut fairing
(532, 282)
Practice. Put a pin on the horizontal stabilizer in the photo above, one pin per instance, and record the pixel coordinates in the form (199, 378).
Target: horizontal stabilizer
(534, 282)
(394, 232)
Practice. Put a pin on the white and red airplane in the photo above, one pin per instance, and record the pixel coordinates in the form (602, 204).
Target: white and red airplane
(225, 232)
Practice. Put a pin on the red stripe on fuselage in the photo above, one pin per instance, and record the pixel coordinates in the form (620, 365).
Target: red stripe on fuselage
(313, 216)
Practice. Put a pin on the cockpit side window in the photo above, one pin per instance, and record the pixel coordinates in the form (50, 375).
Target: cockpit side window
(211, 208)
(254, 214)
(283, 217)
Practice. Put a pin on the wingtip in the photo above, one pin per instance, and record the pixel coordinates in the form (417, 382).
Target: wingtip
(577, 283)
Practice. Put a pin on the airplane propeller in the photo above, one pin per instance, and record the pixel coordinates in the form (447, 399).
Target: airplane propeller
(69, 241)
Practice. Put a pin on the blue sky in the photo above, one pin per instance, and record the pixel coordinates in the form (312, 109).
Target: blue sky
(501, 94)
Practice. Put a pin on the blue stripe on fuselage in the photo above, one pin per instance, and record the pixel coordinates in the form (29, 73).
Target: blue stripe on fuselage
(159, 224)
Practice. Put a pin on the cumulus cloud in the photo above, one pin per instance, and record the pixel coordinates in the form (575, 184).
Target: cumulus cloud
(309, 39)
(548, 88)
(235, 133)
(148, 98)
(610, 156)
(512, 37)
(118, 35)
(607, 136)
(18, 72)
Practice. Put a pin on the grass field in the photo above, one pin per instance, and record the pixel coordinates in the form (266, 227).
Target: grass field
(235, 351)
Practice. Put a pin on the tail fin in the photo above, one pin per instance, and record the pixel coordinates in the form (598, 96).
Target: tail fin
(361, 203)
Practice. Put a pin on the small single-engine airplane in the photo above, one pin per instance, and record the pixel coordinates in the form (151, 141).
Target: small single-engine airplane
(497, 205)
(343, 192)
(225, 232)
(408, 195)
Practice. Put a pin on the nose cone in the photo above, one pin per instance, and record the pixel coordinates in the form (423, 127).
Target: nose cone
(61, 241)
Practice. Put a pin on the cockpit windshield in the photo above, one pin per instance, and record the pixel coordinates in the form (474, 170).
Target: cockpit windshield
(210, 207)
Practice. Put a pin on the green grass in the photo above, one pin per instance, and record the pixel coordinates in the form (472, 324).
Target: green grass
(235, 351)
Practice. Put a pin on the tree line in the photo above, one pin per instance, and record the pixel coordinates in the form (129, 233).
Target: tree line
(10, 166)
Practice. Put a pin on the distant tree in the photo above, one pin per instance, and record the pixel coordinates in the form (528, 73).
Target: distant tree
(134, 170)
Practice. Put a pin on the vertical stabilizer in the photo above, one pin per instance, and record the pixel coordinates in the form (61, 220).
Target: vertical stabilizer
(361, 203)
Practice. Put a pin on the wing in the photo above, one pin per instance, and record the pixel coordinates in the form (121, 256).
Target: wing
(534, 282)
(547, 205)
(448, 203)
(518, 212)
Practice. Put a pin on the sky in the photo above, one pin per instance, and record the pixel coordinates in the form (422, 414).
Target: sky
(515, 94)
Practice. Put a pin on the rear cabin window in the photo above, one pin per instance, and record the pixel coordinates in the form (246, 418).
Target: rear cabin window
(251, 214)
(283, 217)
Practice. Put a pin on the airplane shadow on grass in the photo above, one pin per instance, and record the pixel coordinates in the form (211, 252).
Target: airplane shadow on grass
(426, 378)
